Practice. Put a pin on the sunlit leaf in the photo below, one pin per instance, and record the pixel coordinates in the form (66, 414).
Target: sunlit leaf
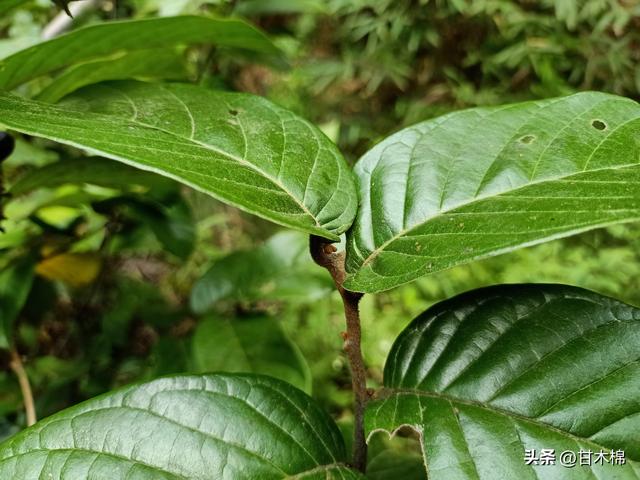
(485, 181)
(239, 148)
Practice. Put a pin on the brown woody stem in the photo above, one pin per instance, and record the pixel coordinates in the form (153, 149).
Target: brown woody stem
(25, 387)
(326, 255)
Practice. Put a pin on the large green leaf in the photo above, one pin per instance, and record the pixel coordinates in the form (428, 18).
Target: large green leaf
(281, 269)
(255, 344)
(485, 181)
(15, 284)
(190, 427)
(493, 372)
(237, 147)
(118, 37)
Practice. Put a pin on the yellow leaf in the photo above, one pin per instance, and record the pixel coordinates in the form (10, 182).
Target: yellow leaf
(75, 269)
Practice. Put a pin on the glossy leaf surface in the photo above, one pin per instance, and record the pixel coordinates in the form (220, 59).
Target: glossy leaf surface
(255, 344)
(485, 181)
(15, 283)
(237, 147)
(281, 269)
(101, 40)
(493, 372)
(190, 427)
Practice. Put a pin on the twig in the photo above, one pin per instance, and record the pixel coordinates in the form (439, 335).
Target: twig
(325, 254)
(63, 21)
(25, 387)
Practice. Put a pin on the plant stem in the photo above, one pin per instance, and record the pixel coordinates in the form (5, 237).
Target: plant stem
(63, 21)
(25, 387)
(325, 254)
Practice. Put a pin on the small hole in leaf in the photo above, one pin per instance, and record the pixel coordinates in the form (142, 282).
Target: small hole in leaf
(527, 139)
(598, 125)
(233, 112)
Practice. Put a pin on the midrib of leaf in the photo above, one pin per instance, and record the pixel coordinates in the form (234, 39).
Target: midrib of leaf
(118, 120)
(406, 232)
(388, 393)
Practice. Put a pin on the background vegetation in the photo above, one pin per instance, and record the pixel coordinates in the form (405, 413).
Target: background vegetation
(134, 283)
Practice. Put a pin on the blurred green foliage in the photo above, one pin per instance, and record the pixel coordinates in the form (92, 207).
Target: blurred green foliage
(112, 302)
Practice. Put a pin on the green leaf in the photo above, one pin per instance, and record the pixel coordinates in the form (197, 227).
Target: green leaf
(93, 170)
(495, 371)
(171, 221)
(185, 427)
(96, 42)
(280, 7)
(239, 148)
(393, 460)
(485, 181)
(393, 465)
(6, 5)
(281, 269)
(157, 63)
(255, 344)
(15, 284)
